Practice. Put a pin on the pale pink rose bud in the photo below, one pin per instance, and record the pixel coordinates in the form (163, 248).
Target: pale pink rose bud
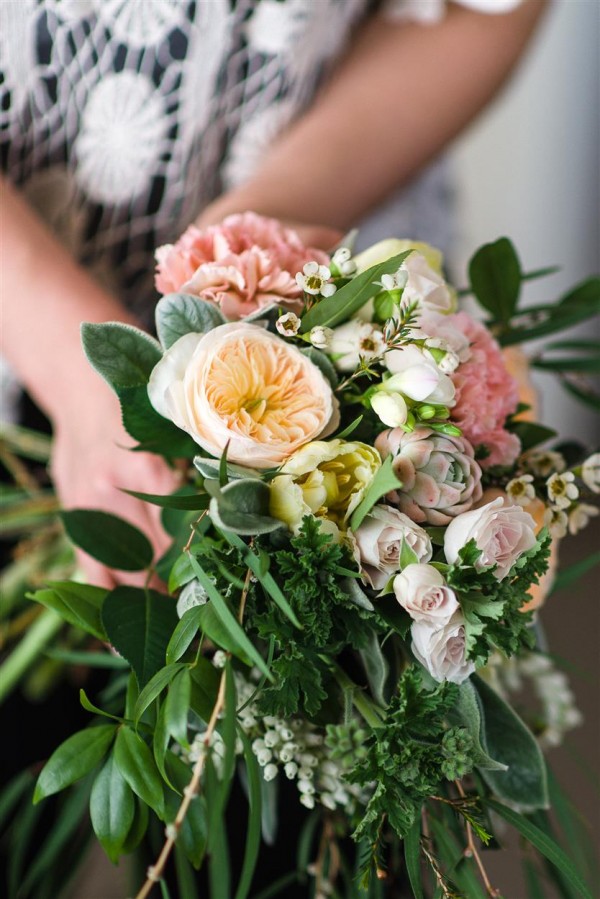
(442, 650)
(378, 544)
(422, 591)
(440, 477)
(501, 531)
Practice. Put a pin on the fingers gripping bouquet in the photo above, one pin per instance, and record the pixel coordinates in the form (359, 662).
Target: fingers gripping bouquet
(358, 543)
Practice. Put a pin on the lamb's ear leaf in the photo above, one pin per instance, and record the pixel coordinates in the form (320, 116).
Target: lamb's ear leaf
(122, 354)
(508, 740)
(178, 314)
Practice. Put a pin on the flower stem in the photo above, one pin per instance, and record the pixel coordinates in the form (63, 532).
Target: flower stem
(39, 634)
(362, 704)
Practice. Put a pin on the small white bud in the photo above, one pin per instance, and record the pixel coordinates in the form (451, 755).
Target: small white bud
(320, 337)
(288, 324)
(219, 659)
(270, 772)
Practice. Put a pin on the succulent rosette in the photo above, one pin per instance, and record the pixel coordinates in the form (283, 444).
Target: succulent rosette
(439, 475)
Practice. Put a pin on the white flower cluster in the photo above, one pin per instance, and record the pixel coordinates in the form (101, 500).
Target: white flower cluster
(295, 746)
(558, 713)
(563, 511)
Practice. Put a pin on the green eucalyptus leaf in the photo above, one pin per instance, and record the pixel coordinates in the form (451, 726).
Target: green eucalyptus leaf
(154, 433)
(506, 739)
(210, 468)
(154, 688)
(338, 308)
(73, 759)
(495, 276)
(205, 687)
(109, 539)
(183, 635)
(384, 481)
(122, 354)
(253, 829)
(79, 604)
(544, 844)
(234, 629)
(178, 314)
(218, 633)
(412, 857)
(139, 624)
(242, 507)
(579, 304)
(138, 828)
(177, 706)
(94, 709)
(589, 365)
(531, 434)
(112, 808)
(136, 763)
(188, 501)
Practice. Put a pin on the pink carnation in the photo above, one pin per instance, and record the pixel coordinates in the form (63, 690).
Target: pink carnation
(486, 394)
(242, 265)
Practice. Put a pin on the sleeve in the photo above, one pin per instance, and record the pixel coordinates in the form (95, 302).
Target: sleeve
(430, 11)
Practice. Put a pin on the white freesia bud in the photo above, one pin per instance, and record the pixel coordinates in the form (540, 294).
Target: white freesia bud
(590, 472)
(390, 408)
(441, 650)
(501, 531)
(288, 324)
(345, 264)
(418, 377)
(397, 281)
(449, 362)
(320, 337)
(422, 591)
(426, 286)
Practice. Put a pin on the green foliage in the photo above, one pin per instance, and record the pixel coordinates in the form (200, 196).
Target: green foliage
(495, 276)
(404, 760)
(299, 676)
(178, 314)
(122, 354)
(531, 434)
(111, 540)
(384, 481)
(78, 604)
(322, 361)
(348, 299)
(139, 624)
(580, 303)
(492, 608)
(508, 740)
(544, 844)
(243, 508)
(112, 809)
(73, 759)
(136, 763)
(154, 433)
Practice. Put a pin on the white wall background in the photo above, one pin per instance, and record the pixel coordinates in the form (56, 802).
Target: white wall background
(530, 169)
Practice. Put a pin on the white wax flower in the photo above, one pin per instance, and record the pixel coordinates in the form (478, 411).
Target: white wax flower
(423, 592)
(353, 340)
(314, 279)
(320, 337)
(590, 472)
(561, 489)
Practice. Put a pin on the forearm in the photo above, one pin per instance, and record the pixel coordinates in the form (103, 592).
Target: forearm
(401, 95)
(45, 297)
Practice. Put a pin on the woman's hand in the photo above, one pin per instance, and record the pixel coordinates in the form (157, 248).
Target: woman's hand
(90, 467)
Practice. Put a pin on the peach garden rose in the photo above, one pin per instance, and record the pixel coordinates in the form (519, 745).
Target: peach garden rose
(244, 388)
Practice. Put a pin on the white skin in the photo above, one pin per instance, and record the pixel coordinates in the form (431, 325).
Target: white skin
(328, 153)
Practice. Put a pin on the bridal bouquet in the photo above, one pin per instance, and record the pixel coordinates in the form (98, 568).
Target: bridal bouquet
(365, 527)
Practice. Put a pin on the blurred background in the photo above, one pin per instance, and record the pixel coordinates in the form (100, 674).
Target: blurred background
(530, 169)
